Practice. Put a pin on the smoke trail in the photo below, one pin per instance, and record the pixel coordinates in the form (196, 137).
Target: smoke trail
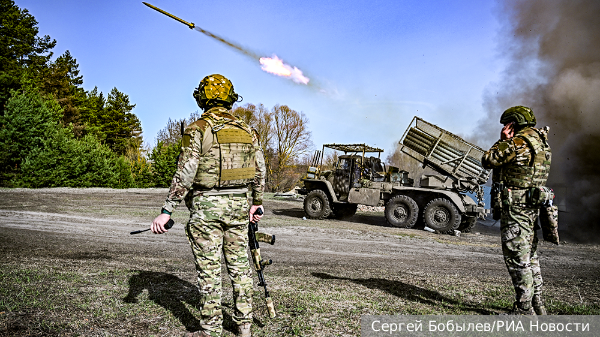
(554, 53)
(235, 46)
(272, 65)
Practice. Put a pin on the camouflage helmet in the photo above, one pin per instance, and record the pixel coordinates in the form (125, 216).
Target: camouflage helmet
(215, 90)
(520, 115)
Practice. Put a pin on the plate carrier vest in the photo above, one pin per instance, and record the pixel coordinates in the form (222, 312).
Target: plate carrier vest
(536, 173)
(227, 159)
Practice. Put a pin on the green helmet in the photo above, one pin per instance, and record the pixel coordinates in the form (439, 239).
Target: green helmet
(215, 90)
(520, 115)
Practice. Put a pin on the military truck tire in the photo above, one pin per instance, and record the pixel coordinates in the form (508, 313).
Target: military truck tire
(402, 211)
(316, 205)
(342, 211)
(467, 224)
(441, 214)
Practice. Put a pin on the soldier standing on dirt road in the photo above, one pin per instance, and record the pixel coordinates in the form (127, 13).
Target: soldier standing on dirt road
(521, 162)
(220, 160)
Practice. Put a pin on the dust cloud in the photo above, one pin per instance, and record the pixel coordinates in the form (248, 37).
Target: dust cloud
(553, 48)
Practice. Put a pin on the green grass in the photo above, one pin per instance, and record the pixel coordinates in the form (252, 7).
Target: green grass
(55, 299)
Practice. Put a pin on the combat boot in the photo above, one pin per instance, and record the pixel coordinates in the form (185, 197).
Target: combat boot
(518, 311)
(245, 329)
(538, 305)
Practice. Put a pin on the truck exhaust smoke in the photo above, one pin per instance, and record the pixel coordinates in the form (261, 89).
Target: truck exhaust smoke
(554, 67)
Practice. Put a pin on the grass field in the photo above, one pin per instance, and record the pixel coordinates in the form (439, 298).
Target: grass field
(88, 278)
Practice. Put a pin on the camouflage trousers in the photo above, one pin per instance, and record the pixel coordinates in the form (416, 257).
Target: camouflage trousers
(220, 223)
(519, 246)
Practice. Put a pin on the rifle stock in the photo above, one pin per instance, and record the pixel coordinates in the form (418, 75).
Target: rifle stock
(259, 263)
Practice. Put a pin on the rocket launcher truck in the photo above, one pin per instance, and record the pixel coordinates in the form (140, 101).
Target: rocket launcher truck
(438, 201)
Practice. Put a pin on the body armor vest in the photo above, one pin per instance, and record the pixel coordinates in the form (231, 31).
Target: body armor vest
(536, 173)
(227, 159)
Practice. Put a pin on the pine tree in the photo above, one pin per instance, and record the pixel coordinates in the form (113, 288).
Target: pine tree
(121, 127)
(27, 121)
(20, 48)
(62, 80)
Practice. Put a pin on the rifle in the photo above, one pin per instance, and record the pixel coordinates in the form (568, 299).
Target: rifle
(259, 263)
(496, 194)
(168, 225)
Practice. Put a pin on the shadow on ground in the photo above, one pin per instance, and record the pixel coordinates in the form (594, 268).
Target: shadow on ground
(410, 292)
(296, 213)
(172, 293)
(362, 218)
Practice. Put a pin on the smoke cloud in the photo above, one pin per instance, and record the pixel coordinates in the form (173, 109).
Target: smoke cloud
(553, 49)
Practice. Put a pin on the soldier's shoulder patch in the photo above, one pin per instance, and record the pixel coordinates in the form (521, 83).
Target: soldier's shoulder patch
(185, 140)
(199, 125)
(191, 130)
(503, 146)
(519, 141)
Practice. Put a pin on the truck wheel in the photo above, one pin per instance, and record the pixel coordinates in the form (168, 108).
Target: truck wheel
(441, 214)
(467, 224)
(342, 211)
(402, 211)
(316, 205)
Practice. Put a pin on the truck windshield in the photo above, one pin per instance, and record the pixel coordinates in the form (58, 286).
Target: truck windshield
(344, 164)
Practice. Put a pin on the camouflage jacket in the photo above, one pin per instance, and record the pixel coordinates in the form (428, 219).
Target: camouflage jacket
(192, 153)
(517, 152)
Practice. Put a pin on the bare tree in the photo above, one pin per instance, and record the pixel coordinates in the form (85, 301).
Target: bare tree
(171, 133)
(407, 163)
(330, 159)
(247, 113)
(291, 140)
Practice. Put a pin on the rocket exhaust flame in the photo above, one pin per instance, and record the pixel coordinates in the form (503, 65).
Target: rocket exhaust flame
(276, 66)
(272, 65)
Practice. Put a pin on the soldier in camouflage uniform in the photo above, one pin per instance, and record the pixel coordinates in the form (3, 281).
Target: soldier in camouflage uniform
(521, 162)
(220, 159)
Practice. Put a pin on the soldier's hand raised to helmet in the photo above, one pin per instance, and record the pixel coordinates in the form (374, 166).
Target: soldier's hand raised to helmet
(508, 131)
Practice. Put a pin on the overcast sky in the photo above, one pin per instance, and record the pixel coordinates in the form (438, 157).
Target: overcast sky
(373, 65)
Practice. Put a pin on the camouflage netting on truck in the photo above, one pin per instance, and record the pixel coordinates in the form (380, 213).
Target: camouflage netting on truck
(428, 143)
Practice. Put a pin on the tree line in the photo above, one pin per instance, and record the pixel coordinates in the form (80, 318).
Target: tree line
(54, 133)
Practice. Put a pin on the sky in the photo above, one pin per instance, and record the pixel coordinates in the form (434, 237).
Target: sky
(372, 65)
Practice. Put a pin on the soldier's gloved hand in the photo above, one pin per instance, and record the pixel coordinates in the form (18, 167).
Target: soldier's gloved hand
(158, 225)
(255, 217)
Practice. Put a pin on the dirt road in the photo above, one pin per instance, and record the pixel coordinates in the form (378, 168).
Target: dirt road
(349, 267)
